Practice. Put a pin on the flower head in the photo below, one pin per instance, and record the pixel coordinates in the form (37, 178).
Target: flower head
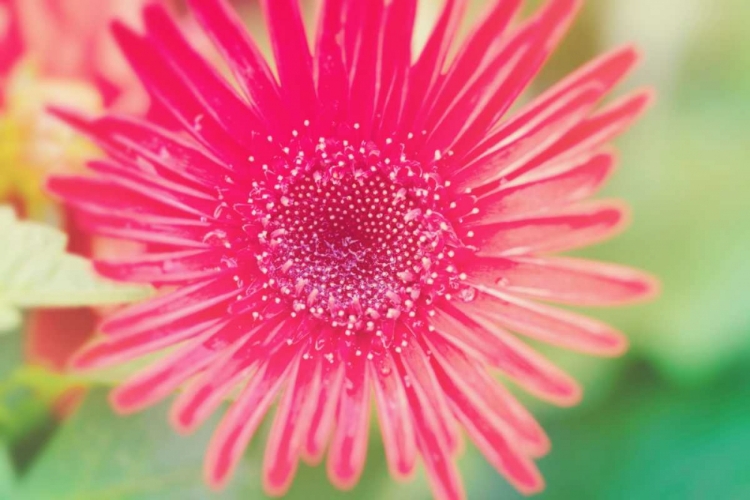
(359, 220)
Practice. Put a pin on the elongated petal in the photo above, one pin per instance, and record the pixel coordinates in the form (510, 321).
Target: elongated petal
(471, 379)
(244, 343)
(166, 375)
(362, 48)
(244, 58)
(597, 130)
(190, 301)
(395, 419)
(563, 230)
(323, 418)
(515, 66)
(499, 451)
(242, 420)
(162, 268)
(503, 351)
(395, 60)
(545, 323)
(602, 74)
(567, 182)
(129, 139)
(435, 451)
(514, 151)
(346, 458)
(425, 74)
(290, 426)
(173, 93)
(566, 280)
(332, 78)
(292, 54)
(215, 94)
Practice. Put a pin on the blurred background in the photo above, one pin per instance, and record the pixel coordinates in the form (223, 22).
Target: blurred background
(670, 420)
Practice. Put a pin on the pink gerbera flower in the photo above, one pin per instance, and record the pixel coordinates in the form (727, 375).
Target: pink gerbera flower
(363, 220)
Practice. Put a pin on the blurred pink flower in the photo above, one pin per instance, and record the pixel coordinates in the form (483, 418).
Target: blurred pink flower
(357, 222)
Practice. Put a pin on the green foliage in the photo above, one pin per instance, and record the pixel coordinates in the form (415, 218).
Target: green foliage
(98, 455)
(35, 271)
(7, 475)
(649, 441)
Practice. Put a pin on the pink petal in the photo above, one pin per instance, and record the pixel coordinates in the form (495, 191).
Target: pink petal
(545, 323)
(170, 90)
(395, 419)
(566, 280)
(179, 267)
(174, 196)
(516, 149)
(476, 50)
(569, 181)
(395, 60)
(244, 344)
(245, 60)
(565, 229)
(110, 351)
(470, 378)
(190, 301)
(416, 370)
(331, 73)
(346, 458)
(165, 376)
(495, 446)
(243, 418)
(505, 78)
(128, 139)
(290, 426)
(323, 418)
(213, 92)
(436, 453)
(425, 74)
(158, 230)
(106, 195)
(292, 54)
(597, 130)
(602, 74)
(361, 32)
(503, 351)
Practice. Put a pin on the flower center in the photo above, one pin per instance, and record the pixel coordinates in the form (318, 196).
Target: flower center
(355, 239)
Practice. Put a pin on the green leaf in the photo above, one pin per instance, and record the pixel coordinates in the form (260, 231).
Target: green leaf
(98, 455)
(10, 318)
(7, 475)
(35, 271)
(650, 440)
